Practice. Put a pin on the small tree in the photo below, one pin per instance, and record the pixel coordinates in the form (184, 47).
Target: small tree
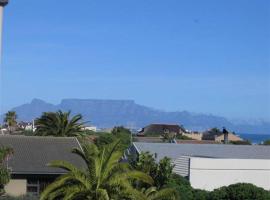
(4, 173)
(161, 171)
(10, 120)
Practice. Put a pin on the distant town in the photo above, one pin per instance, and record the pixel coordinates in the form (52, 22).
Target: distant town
(192, 156)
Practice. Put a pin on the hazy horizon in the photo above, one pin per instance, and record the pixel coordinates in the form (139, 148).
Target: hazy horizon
(200, 56)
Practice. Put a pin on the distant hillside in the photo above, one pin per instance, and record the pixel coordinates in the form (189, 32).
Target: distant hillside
(108, 113)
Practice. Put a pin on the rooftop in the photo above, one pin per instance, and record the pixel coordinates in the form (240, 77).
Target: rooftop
(175, 151)
(32, 154)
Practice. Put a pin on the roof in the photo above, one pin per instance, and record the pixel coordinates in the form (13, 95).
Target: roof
(175, 151)
(160, 128)
(33, 153)
(148, 139)
(196, 142)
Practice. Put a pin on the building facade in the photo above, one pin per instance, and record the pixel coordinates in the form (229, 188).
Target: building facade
(29, 163)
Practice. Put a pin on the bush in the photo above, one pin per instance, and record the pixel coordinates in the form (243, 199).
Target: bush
(182, 186)
(244, 142)
(240, 191)
(200, 194)
(266, 142)
(183, 137)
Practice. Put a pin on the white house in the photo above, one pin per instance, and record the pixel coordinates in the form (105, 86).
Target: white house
(210, 166)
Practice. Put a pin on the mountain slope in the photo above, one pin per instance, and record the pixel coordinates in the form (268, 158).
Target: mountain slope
(109, 113)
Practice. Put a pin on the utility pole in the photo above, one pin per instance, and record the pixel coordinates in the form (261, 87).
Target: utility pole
(3, 3)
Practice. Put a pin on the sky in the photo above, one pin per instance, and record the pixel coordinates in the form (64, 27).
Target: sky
(206, 56)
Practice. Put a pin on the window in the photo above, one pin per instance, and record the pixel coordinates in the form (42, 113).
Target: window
(33, 186)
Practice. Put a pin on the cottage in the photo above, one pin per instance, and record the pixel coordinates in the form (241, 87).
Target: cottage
(210, 166)
(28, 165)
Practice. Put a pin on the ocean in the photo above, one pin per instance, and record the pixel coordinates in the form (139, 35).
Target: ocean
(255, 138)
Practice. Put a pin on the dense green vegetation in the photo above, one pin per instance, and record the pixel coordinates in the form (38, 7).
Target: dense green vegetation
(4, 173)
(266, 142)
(244, 142)
(118, 133)
(183, 137)
(58, 124)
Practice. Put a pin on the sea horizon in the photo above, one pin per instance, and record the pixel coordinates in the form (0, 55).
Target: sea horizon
(255, 138)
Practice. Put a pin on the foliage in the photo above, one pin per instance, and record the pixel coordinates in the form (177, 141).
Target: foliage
(163, 194)
(209, 134)
(118, 133)
(168, 136)
(59, 124)
(4, 173)
(239, 191)
(183, 137)
(182, 186)
(244, 142)
(266, 142)
(161, 172)
(104, 139)
(120, 129)
(10, 120)
(201, 194)
(27, 132)
(105, 177)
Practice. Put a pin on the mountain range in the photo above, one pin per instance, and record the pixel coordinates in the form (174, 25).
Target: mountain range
(109, 113)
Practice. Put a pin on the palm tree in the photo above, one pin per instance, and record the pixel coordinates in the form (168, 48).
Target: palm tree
(105, 178)
(58, 124)
(4, 173)
(10, 119)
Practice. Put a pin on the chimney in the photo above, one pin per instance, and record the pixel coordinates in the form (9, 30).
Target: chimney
(226, 136)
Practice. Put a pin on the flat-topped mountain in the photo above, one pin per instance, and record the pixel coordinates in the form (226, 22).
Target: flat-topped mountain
(109, 113)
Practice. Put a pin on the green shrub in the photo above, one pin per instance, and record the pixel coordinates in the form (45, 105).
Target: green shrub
(266, 142)
(240, 191)
(244, 142)
(182, 186)
(183, 137)
(200, 194)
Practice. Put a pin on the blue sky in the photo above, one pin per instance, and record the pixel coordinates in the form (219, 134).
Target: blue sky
(202, 56)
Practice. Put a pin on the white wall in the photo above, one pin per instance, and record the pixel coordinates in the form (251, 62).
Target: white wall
(209, 173)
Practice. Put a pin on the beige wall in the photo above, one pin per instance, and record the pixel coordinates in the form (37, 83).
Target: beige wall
(194, 136)
(16, 187)
(231, 137)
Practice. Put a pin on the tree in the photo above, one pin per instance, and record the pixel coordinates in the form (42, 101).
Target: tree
(4, 173)
(104, 177)
(118, 133)
(161, 172)
(10, 120)
(59, 124)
